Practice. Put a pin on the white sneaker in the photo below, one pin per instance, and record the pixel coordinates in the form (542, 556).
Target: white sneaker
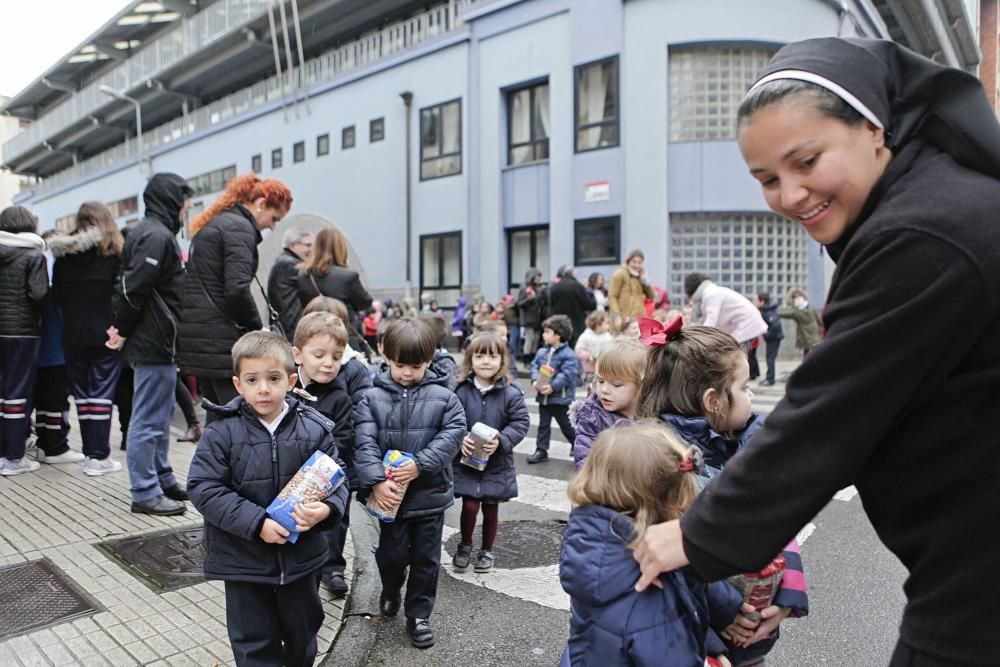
(98, 467)
(69, 456)
(18, 466)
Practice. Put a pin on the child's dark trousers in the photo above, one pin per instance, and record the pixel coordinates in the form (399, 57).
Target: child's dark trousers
(270, 626)
(545, 415)
(415, 543)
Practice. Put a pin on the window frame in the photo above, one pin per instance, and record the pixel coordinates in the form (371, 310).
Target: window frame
(513, 287)
(320, 151)
(577, 128)
(616, 221)
(440, 142)
(277, 158)
(533, 142)
(296, 148)
(439, 238)
(371, 129)
(256, 163)
(344, 133)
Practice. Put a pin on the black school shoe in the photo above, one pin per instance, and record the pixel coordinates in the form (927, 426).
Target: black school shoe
(158, 506)
(388, 606)
(335, 583)
(175, 492)
(539, 456)
(420, 632)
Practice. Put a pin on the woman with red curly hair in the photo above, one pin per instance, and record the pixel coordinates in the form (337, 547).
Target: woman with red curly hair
(222, 263)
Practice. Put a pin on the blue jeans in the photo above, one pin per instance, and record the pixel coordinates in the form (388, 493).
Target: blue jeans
(149, 469)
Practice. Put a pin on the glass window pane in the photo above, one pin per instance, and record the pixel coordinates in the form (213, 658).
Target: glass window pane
(429, 132)
(597, 241)
(429, 269)
(451, 128)
(542, 253)
(520, 117)
(451, 252)
(540, 112)
(521, 154)
(519, 247)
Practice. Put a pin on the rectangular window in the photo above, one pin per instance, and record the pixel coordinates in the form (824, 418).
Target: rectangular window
(596, 241)
(528, 124)
(299, 151)
(322, 144)
(276, 158)
(347, 137)
(376, 130)
(441, 267)
(256, 164)
(441, 140)
(123, 207)
(213, 181)
(527, 247)
(596, 103)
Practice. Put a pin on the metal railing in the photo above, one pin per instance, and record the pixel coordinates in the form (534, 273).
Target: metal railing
(353, 55)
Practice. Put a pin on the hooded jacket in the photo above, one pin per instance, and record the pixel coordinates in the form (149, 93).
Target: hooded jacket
(563, 359)
(331, 400)
(218, 304)
(503, 408)
(147, 300)
(445, 366)
(424, 419)
(24, 283)
(83, 284)
(568, 297)
(237, 470)
(529, 305)
(282, 290)
(611, 624)
(589, 420)
(807, 325)
(773, 321)
(715, 448)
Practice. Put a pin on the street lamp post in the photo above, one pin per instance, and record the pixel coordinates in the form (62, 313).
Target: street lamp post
(111, 92)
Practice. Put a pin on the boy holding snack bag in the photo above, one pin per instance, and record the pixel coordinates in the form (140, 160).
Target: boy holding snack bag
(409, 409)
(553, 375)
(244, 461)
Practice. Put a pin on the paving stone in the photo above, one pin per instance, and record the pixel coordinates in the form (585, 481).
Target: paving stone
(142, 653)
(101, 641)
(119, 657)
(58, 655)
(121, 634)
(33, 658)
(80, 647)
(161, 645)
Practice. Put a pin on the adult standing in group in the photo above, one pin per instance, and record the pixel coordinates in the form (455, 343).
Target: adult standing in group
(568, 297)
(597, 290)
(146, 314)
(892, 162)
(529, 311)
(88, 262)
(720, 307)
(222, 263)
(327, 273)
(629, 288)
(283, 280)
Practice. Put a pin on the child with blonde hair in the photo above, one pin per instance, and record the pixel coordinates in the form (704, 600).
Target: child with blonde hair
(592, 342)
(619, 373)
(636, 475)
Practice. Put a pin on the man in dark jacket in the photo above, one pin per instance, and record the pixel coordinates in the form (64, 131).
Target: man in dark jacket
(529, 310)
(147, 306)
(282, 281)
(568, 297)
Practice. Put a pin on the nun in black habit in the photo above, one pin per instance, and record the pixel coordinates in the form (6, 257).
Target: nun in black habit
(892, 162)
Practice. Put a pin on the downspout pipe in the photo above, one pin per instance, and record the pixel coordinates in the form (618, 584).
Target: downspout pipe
(408, 101)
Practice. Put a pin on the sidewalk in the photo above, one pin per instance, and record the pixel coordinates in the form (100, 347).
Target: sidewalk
(61, 515)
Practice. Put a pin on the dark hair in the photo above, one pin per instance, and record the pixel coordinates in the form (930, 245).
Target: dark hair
(692, 281)
(17, 219)
(679, 373)
(764, 297)
(407, 340)
(486, 343)
(438, 326)
(561, 326)
(772, 92)
(592, 279)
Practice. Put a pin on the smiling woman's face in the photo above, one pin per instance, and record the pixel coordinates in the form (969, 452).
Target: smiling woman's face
(815, 170)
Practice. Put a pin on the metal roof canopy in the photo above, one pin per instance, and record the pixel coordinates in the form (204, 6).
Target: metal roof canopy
(116, 40)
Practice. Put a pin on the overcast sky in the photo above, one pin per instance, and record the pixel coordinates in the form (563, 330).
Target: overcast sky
(40, 32)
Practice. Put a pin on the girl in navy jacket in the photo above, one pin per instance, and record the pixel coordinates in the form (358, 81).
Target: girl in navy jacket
(635, 475)
(488, 396)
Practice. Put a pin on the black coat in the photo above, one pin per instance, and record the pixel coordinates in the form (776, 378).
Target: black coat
(147, 300)
(568, 297)
(237, 470)
(339, 283)
(333, 402)
(355, 379)
(503, 408)
(774, 329)
(83, 283)
(24, 283)
(529, 306)
(218, 303)
(282, 290)
(425, 420)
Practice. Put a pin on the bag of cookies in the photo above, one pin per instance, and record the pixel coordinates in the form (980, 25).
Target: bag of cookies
(392, 459)
(316, 480)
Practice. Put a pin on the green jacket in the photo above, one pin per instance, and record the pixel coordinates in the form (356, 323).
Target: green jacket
(807, 325)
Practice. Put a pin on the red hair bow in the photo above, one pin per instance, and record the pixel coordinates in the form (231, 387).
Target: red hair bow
(654, 333)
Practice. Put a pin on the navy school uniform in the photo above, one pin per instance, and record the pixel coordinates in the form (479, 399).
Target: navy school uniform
(556, 404)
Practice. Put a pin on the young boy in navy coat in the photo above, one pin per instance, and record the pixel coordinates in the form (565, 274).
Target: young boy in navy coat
(557, 361)
(245, 457)
(409, 408)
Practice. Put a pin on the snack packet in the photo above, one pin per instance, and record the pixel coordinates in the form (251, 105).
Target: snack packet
(759, 588)
(482, 435)
(545, 374)
(392, 459)
(318, 477)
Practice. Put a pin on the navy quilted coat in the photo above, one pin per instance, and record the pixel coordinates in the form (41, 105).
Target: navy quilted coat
(237, 471)
(503, 408)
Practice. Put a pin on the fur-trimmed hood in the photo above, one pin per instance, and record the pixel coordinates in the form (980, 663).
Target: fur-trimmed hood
(62, 245)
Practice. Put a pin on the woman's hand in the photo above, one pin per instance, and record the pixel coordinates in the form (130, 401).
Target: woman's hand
(661, 549)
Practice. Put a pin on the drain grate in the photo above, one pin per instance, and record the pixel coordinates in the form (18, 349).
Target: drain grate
(520, 544)
(38, 594)
(163, 561)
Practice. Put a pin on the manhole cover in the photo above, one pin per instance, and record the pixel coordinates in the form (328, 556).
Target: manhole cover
(163, 561)
(520, 544)
(37, 594)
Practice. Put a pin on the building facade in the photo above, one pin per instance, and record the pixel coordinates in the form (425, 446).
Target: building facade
(460, 144)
